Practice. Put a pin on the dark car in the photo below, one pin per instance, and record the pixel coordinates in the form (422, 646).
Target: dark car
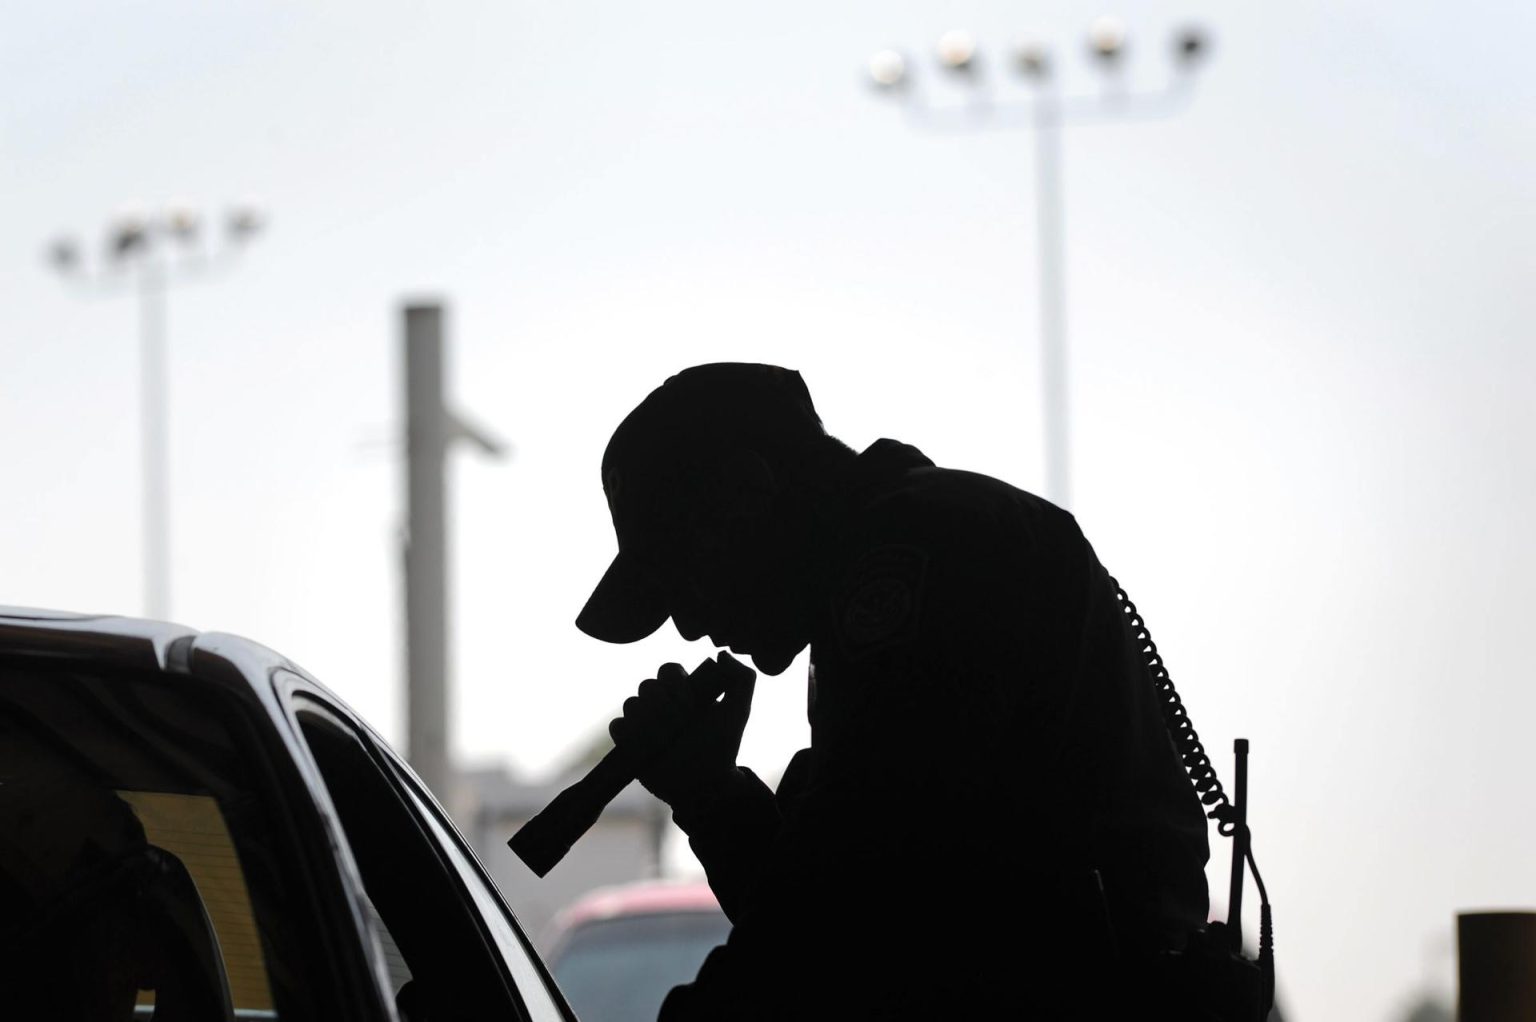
(617, 951)
(191, 827)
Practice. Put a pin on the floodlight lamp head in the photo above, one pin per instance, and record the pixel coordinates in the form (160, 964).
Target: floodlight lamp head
(128, 236)
(1032, 59)
(1191, 47)
(1106, 39)
(888, 70)
(243, 222)
(183, 223)
(64, 255)
(956, 51)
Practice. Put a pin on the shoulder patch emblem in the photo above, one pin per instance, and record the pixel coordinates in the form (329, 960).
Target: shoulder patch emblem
(881, 600)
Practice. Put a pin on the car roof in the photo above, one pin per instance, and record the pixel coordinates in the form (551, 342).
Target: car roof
(241, 668)
(129, 642)
(644, 897)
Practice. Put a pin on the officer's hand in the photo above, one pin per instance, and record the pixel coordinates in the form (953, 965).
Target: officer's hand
(681, 740)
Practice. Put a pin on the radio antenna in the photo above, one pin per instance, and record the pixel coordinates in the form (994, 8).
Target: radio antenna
(1239, 843)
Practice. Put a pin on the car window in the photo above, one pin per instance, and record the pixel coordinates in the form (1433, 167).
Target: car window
(191, 829)
(515, 950)
(449, 966)
(141, 871)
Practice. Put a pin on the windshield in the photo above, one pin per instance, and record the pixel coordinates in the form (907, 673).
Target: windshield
(619, 970)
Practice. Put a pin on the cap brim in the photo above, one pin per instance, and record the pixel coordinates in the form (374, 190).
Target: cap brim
(626, 606)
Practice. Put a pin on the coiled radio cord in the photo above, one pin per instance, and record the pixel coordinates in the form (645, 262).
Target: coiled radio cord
(1197, 764)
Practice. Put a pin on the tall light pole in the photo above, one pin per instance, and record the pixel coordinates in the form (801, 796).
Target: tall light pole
(1043, 109)
(154, 253)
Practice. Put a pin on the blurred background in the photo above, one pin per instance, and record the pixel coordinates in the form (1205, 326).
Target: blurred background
(1291, 282)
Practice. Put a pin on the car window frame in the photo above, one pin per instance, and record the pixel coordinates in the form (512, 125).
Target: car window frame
(489, 895)
(299, 696)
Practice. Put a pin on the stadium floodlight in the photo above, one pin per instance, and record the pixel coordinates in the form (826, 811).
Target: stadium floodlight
(1106, 38)
(957, 50)
(243, 222)
(64, 255)
(1190, 47)
(183, 224)
(1032, 59)
(888, 69)
(1045, 101)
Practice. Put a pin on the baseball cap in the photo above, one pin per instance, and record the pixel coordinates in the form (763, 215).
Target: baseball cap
(692, 418)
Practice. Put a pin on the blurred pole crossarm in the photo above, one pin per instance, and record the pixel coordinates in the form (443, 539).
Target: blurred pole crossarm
(430, 427)
(1045, 111)
(156, 253)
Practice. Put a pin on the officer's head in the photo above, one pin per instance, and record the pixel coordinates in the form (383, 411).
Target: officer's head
(709, 483)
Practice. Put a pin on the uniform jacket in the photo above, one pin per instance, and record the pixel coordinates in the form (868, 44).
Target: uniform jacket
(983, 735)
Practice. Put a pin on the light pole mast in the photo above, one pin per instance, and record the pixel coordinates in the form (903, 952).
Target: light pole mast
(1045, 111)
(156, 253)
(1052, 299)
(154, 435)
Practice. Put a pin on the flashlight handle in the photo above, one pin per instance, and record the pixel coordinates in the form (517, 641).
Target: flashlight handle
(544, 840)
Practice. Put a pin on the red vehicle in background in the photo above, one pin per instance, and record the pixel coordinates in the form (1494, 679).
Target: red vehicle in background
(616, 951)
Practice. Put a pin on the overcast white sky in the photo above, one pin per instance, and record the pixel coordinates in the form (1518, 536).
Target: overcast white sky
(1299, 318)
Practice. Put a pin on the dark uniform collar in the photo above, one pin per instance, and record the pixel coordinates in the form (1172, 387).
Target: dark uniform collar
(877, 471)
(882, 462)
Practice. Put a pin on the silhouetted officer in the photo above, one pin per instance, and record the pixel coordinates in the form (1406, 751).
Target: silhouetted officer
(990, 819)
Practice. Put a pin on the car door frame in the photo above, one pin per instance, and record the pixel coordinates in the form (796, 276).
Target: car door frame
(249, 671)
(299, 693)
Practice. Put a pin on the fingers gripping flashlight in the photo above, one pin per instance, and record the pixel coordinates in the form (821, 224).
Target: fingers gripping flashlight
(543, 841)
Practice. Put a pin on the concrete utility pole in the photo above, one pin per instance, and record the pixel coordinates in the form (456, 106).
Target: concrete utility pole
(1045, 111)
(429, 427)
(1496, 957)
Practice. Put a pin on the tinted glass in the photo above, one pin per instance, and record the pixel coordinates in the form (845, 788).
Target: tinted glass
(442, 964)
(192, 830)
(509, 940)
(138, 868)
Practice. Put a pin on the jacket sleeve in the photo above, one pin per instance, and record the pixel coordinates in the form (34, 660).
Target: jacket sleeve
(823, 923)
(733, 836)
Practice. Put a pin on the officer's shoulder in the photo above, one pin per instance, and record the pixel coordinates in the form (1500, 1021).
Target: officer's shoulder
(931, 505)
(934, 540)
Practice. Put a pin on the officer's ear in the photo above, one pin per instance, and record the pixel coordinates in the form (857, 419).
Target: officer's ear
(748, 483)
